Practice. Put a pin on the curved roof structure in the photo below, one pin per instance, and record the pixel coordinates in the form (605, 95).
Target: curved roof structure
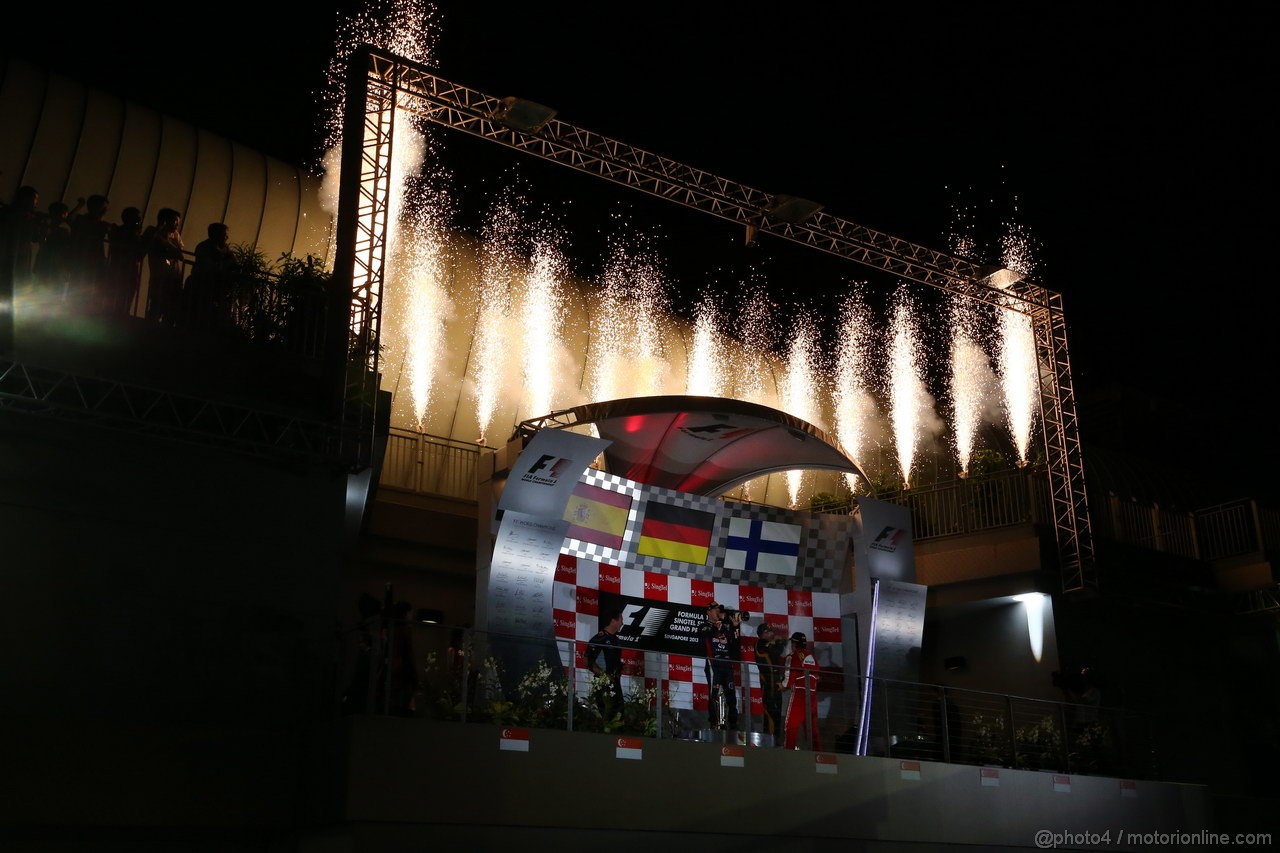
(70, 141)
(700, 445)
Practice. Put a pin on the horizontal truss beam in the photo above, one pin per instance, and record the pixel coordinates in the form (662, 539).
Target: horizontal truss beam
(68, 397)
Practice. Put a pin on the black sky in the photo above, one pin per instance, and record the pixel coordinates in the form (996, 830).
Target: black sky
(1132, 143)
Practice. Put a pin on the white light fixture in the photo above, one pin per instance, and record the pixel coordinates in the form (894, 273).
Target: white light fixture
(1034, 603)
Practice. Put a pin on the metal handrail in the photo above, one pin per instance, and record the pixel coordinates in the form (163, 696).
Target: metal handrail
(436, 465)
(907, 720)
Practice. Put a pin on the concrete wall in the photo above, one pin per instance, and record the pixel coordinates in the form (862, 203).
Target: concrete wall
(411, 781)
(169, 623)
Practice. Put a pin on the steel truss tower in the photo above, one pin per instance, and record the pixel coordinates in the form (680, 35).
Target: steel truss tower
(380, 85)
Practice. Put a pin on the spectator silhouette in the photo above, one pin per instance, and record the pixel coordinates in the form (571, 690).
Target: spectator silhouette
(208, 289)
(360, 651)
(124, 262)
(88, 259)
(52, 267)
(164, 249)
(397, 653)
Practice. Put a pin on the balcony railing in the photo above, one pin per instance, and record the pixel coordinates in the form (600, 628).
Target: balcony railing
(433, 465)
(533, 683)
(975, 504)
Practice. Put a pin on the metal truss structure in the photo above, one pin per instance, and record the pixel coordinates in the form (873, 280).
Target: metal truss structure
(380, 85)
(145, 411)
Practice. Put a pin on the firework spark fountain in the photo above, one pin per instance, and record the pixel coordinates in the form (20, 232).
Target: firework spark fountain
(969, 380)
(626, 328)
(801, 386)
(417, 238)
(1018, 378)
(528, 288)
(707, 375)
(906, 386)
(501, 263)
(1019, 364)
(757, 332)
(853, 400)
(541, 301)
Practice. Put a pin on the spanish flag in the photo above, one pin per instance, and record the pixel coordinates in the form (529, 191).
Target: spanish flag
(673, 532)
(597, 515)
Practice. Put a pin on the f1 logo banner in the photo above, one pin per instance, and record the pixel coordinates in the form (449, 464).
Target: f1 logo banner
(656, 626)
(543, 476)
(885, 546)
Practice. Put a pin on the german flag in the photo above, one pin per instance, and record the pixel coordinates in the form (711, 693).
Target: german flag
(673, 532)
(597, 515)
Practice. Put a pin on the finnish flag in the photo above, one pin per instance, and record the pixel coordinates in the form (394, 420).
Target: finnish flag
(762, 546)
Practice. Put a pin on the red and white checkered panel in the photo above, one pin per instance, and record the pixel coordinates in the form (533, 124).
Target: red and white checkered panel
(576, 603)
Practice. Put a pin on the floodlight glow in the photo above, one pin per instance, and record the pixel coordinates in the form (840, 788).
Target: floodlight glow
(1034, 604)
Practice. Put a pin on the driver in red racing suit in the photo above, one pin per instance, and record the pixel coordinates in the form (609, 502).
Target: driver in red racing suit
(802, 702)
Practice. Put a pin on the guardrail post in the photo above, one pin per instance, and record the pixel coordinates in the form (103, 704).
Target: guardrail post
(662, 694)
(571, 677)
(944, 728)
(1012, 731)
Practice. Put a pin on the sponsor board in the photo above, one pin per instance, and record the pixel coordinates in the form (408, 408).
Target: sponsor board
(657, 626)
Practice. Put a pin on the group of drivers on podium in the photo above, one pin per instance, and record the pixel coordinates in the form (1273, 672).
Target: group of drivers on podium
(796, 671)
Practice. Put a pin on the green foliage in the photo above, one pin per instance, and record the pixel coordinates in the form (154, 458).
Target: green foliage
(302, 276)
(1039, 745)
(1091, 748)
(827, 502)
(990, 738)
(986, 461)
(274, 301)
(600, 712)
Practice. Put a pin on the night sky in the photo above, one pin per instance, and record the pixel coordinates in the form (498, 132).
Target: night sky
(1127, 142)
